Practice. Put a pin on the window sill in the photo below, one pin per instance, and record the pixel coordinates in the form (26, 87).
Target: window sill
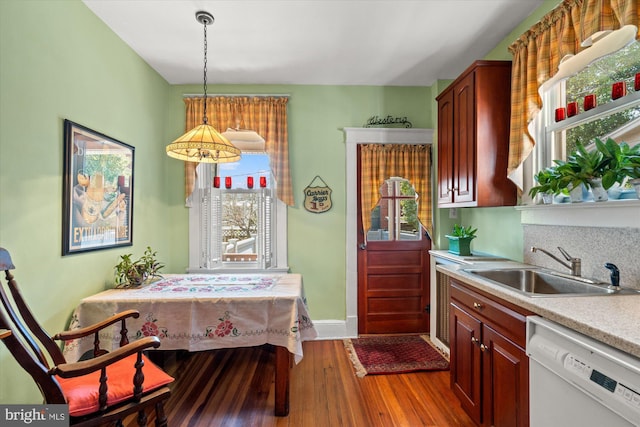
(613, 213)
(274, 270)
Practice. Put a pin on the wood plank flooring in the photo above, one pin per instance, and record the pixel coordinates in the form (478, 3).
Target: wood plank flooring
(234, 387)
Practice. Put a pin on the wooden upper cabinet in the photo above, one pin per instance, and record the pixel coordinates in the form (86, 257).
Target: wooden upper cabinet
(473, 138)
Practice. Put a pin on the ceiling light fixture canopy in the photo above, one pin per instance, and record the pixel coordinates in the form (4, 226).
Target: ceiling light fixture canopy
(204, 144)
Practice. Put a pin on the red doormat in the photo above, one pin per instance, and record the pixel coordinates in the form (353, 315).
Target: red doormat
(394, 354)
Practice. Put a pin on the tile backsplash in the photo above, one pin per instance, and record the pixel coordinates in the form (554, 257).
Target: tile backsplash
(595, 246)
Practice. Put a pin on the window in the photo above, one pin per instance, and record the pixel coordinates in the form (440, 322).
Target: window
(610, 118)
(395, 217)
(234, 218)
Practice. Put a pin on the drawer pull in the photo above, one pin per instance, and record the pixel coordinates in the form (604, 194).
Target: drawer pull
(477, 305)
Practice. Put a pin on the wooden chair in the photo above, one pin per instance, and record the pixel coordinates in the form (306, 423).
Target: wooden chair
(102, 390)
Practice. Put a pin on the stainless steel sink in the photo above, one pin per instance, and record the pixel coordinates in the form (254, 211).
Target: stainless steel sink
(542, 282)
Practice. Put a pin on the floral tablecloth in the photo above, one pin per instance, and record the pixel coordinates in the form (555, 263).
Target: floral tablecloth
(203, 312)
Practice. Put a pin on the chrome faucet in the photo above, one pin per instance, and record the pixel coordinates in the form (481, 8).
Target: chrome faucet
(576, 263)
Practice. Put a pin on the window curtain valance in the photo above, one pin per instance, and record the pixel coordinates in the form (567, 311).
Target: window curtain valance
(380, 162)
(264, 114)
(538, 52)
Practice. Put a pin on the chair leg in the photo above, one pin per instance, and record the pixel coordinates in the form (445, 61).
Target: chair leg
(161, 418)
(142, 418)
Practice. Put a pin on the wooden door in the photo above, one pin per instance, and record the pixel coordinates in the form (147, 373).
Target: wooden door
(466, 363)
(445, 147)
(506, 381)
(464, 154)
(393, 275)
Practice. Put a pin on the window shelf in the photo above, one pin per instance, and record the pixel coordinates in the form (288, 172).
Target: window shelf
(612, 213)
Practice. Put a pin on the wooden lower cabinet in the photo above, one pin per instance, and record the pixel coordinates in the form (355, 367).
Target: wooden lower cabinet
(489, 366)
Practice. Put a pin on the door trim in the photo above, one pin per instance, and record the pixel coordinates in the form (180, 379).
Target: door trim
(353, 137)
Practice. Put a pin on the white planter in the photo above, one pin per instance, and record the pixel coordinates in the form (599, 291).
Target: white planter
(547, 198)
(577, 194)
(598, 191)
(636, 185)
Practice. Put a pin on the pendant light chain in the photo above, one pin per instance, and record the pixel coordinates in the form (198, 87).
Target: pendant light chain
(204, 119)
(203, 143)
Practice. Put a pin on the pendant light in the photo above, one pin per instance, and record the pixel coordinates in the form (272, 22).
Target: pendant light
(204, 144)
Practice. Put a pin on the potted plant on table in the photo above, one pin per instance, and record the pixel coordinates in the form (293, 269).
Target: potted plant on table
(460, 239)
(130, 273)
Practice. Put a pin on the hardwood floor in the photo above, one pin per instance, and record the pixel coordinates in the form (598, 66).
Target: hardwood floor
(235, 388)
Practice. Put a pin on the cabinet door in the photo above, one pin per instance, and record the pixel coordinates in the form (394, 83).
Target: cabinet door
(465, 360)
(445, 148)
(505, 382)
(464, 152)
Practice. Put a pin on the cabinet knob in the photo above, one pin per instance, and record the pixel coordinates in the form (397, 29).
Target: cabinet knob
(477, 305)
(483, 347)
(474, 340)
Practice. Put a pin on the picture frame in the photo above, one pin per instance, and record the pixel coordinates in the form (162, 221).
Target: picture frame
(97, 191)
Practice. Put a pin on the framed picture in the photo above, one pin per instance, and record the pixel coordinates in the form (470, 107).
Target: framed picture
(97, 191)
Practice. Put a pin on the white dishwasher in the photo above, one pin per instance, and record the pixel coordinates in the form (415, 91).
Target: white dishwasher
(576, 381)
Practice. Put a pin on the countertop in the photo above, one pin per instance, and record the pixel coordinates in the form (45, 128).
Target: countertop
(612, 319)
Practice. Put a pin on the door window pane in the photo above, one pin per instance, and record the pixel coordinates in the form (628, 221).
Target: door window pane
(395, 216)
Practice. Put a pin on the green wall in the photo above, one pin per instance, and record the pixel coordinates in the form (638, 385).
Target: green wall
(58, 60)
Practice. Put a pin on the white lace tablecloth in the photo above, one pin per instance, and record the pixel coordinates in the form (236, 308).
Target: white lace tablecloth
(203, 312)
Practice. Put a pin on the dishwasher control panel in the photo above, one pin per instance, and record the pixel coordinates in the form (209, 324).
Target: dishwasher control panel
(621, 392)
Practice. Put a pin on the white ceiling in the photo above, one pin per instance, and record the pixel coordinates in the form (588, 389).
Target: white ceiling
(332, 42)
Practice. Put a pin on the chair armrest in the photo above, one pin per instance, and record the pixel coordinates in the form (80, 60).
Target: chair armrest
(83, 332)
(76, 369)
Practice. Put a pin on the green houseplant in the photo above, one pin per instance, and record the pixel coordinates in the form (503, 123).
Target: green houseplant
(460, 239)
(596, 169)
(547, 180)
(629, 165)
(130, 273)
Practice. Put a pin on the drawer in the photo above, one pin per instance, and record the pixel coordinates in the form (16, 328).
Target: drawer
(500, 315)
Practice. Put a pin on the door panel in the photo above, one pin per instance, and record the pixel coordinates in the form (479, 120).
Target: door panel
(393, 287)
(445, 149)
(382, 282)
(464, 149)
(506, 381)
(466, 360)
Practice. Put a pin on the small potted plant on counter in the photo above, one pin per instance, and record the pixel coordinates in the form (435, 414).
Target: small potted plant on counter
(460, 239)
(130, 273)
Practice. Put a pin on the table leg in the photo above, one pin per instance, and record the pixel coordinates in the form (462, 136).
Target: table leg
(282, 381)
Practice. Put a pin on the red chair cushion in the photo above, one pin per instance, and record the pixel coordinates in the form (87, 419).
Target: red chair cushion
(82, 392)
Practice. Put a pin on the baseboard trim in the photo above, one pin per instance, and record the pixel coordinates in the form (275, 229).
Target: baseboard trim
(335, 329)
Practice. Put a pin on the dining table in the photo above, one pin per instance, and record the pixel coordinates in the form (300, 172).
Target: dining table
(197, 312)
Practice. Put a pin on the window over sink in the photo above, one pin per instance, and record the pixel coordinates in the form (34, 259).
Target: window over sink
(595, 94)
